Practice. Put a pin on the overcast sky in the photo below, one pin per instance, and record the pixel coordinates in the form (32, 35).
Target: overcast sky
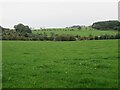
(56, 14)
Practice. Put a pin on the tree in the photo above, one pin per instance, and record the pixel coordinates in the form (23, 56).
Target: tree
(79, 28)
(22, 28)
(107, 25)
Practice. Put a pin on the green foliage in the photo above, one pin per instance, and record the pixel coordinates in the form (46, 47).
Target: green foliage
(13, 35)
(4, 29)
(22, 28)
(75, 26)
(107, 25)
(77, 64)
(79, 28)
(22, 32)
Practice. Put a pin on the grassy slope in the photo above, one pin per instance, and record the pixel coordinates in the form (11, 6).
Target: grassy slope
(36, 64)
(81, 32)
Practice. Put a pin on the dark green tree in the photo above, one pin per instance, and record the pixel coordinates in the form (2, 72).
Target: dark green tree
(22, 28)
(107, 25)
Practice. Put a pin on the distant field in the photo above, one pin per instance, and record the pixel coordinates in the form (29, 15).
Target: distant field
(82, 32)
(49, 64)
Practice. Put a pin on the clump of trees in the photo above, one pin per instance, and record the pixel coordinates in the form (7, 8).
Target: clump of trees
(22, 28)
(107, 25)
(75, 26)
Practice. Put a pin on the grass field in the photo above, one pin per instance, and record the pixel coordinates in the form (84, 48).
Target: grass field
(77, 64)
(0, 64)
(82, 32)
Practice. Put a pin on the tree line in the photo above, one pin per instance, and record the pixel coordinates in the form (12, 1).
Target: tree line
(107, 25)
(23, 32)
(55, 37)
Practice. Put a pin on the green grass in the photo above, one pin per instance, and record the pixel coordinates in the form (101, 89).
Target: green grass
(48, 64)
(0, 64)
(82, 32)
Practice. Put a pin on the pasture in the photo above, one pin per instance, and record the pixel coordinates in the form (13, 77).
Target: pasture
(49, 64)
(82, 32)
(0, 64)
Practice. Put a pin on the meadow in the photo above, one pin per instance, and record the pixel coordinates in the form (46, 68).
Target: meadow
(0, 64)
(74, 31)
(56, 64)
